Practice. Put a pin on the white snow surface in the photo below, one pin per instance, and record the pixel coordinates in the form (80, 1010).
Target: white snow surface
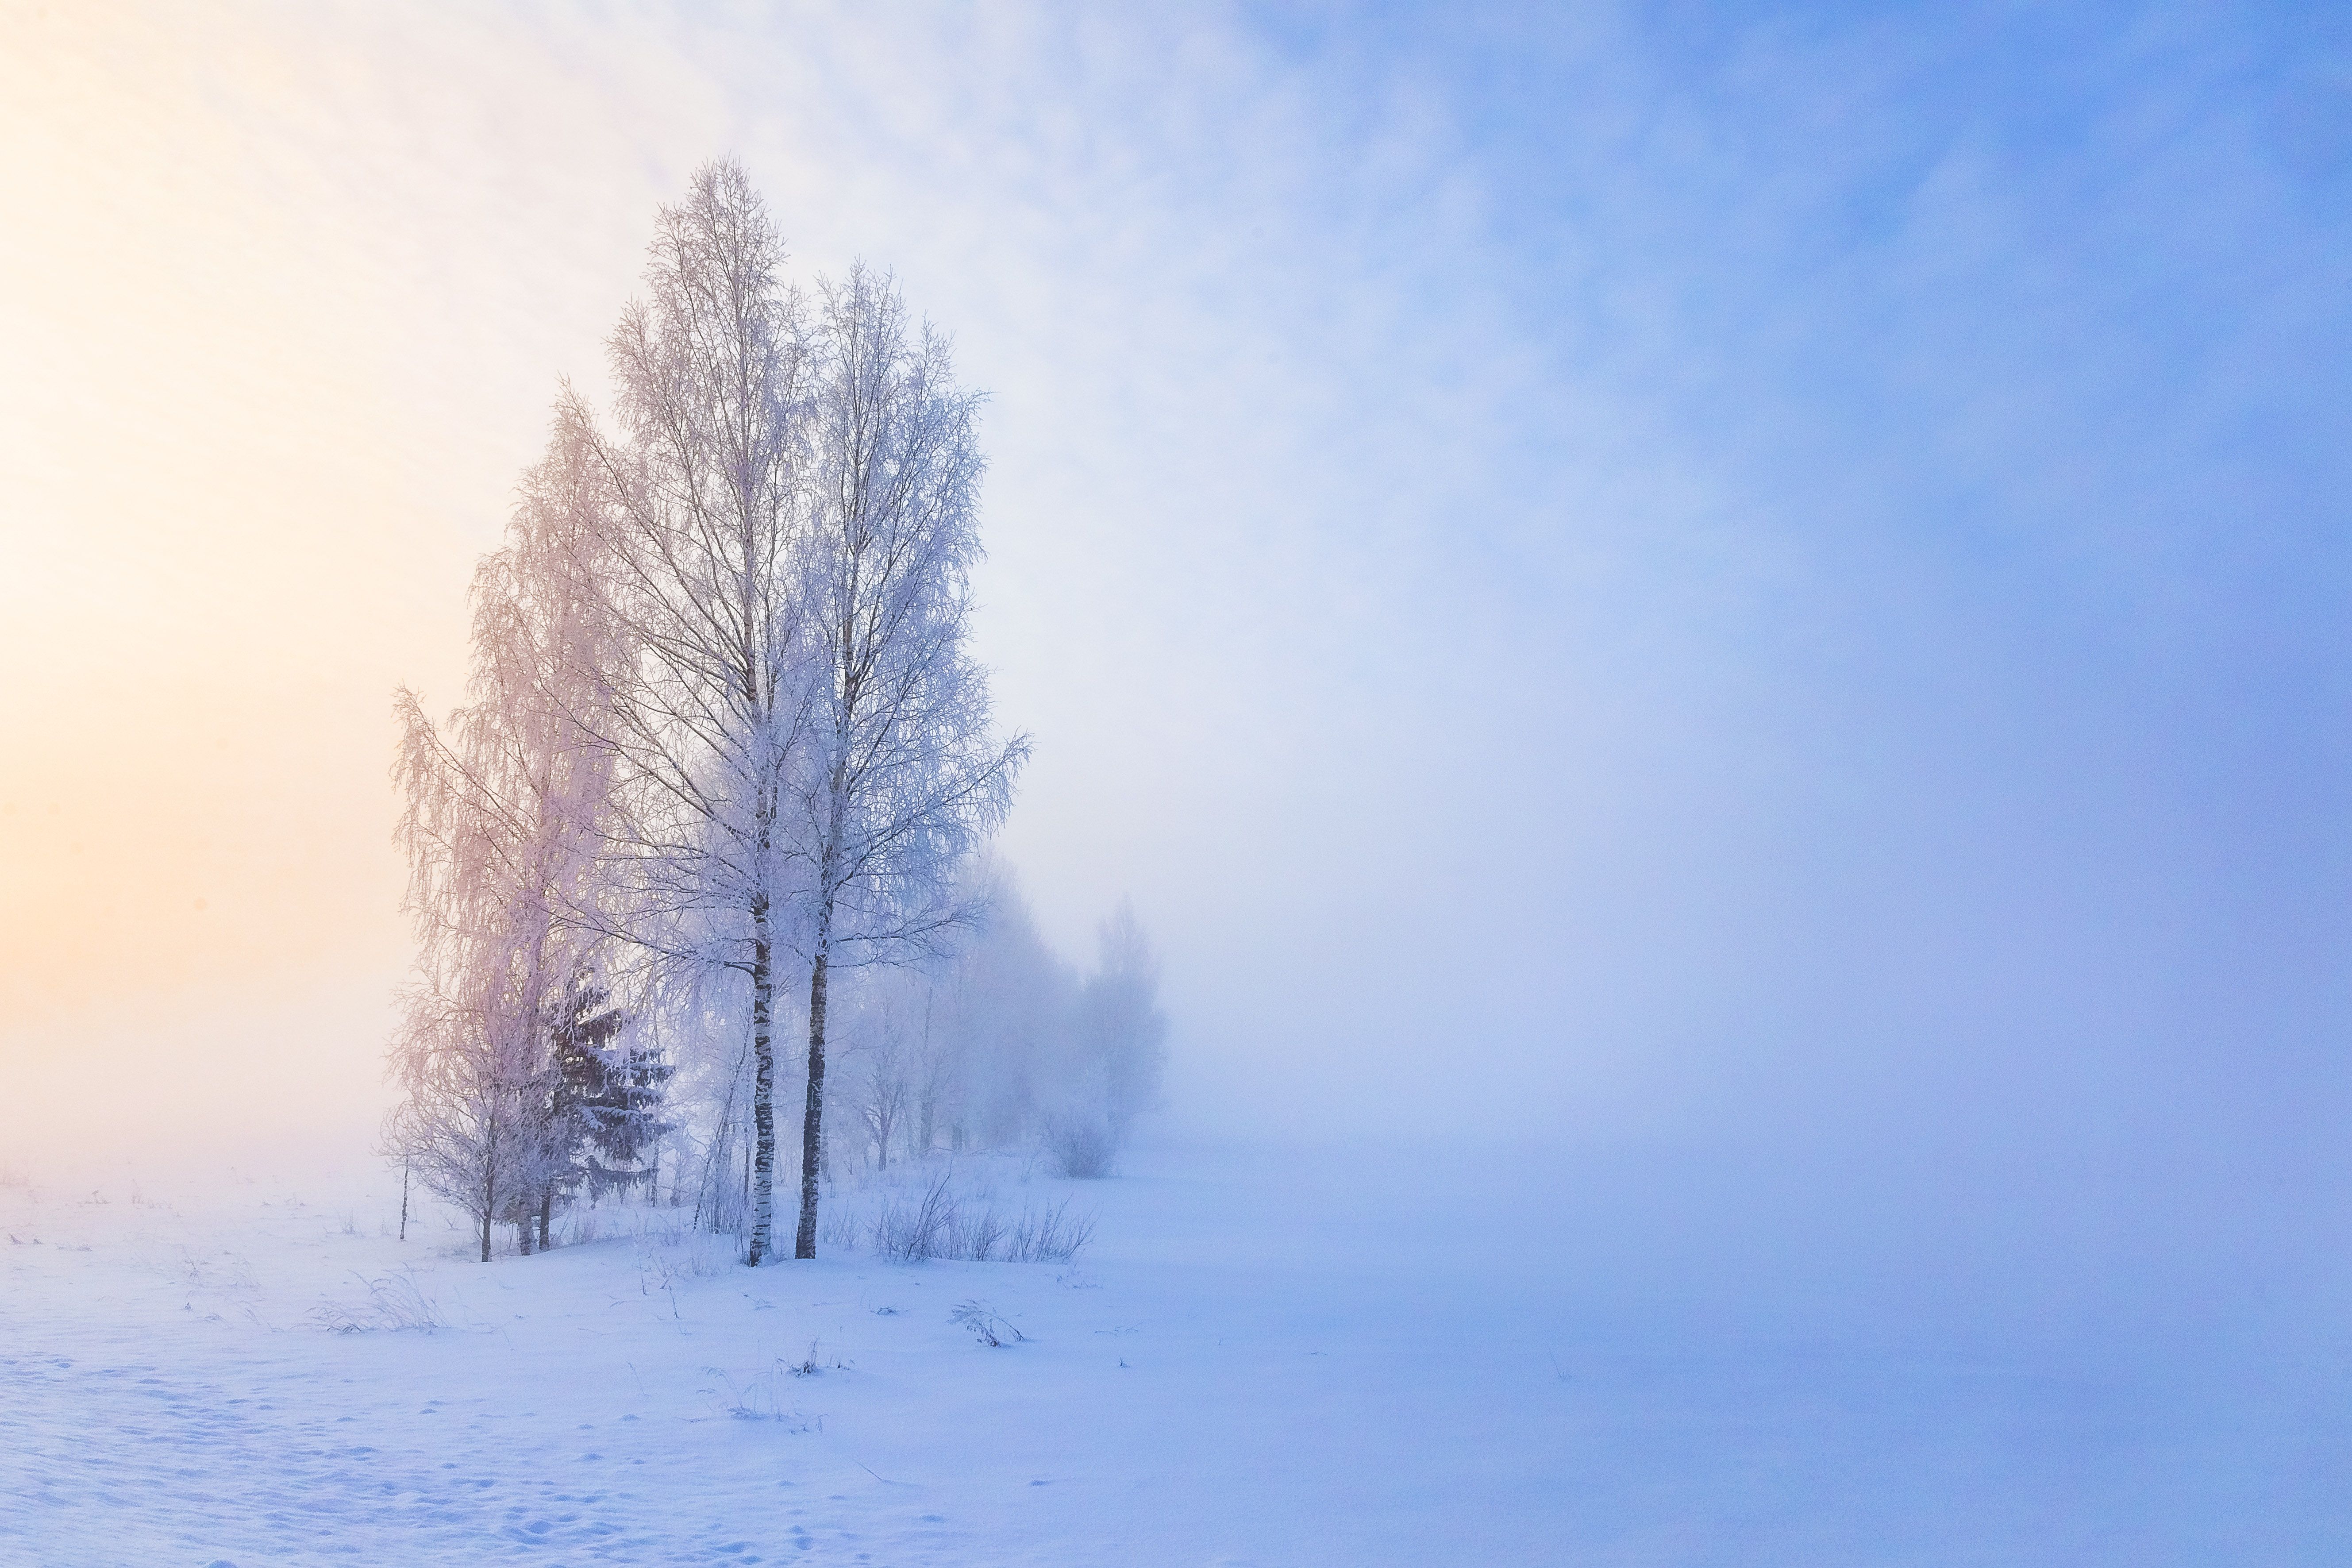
(1259, 1359)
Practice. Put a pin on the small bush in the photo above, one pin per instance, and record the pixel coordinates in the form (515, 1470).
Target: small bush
(912, 1232)
(838, 1226)
(979, 1233)
(1080, 1147)
(395, 1302)
(1048, 1236)
(938, 1224)
(761, 1396)
(985, 1324)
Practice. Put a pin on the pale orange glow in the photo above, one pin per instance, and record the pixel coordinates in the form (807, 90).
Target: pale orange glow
(267, 388)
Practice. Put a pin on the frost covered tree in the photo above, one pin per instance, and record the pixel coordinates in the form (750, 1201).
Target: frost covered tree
(699, 525)
(600, 1101)
(1046, 1055)
(454, 1125)
(742, 614)
(503, 820)
(901, 779)
(883, 1091)
(706, 1013)
(1121, 1033)
(1004, 1006)
(997, 1040)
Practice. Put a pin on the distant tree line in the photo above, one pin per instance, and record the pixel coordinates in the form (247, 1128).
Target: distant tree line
(722, 783)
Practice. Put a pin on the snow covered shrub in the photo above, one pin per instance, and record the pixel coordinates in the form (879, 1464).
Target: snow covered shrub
(977, 1232)
(841, 1227)
(1048, 1236)
(939, 1223)
(986, 1326)
(395, 1302)
(761, 1396)
(1081, 1146)
(911, 1231)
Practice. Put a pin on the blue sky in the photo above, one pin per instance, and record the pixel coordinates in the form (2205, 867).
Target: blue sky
(1839, 649)
(1889, 469)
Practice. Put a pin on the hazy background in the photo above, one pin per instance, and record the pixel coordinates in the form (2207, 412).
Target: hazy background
(1763, 586)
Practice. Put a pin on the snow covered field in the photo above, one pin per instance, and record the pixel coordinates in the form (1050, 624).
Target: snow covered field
(1258, 1360)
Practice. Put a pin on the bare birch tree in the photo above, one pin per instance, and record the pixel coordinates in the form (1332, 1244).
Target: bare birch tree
(884, 1092)
(503, 827)
(901, 778)
(459, 1118)
(695, 563)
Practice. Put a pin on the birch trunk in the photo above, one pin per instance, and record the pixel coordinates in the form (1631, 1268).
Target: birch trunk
(812, 1118)
(489, 1191)
(763, 1078)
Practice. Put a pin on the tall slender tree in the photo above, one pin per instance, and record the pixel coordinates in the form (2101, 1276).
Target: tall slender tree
(1122, 1034)
(504, 823)
(900, 778)
(699, 521)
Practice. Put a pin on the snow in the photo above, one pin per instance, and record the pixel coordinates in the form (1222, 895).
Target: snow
(1259, 1359)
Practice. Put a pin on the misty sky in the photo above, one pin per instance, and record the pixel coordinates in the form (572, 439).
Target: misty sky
(1773, 578)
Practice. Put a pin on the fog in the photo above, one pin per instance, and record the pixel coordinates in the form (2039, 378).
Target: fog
(1754, 603)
